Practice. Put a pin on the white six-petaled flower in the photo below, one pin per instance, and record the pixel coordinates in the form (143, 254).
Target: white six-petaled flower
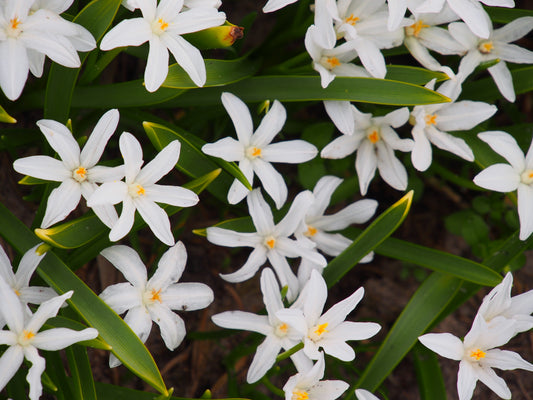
(77, 170)
(24, 339)
(255, 153)
(162, 26)
(140, 191)
(507, 178)
(147, 300)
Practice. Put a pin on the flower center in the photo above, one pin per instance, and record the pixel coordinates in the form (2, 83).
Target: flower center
(79, 174)
(414, 30)
(153, 295)
(298, 394)
(13, 28)
(253, 152)
(281, 330)
(25, 337)
(330, 62)
(16, 292)
(159, 26)
(477, 354)
(317, 331)
(311, 231)
(486, 47)
(270, 242)
(527, 177)
(373, 136)
(352, 20)
(136, 190)
(431, 119)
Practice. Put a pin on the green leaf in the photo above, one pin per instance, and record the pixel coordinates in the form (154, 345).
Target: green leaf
(217, 37)
(505, 15)
(242, 224)
(192, 160)
(81, 231)
(428, 373)
(219, 73)
(427, 303)
(308, 88)
(111, 328)
(81, 373)
(96, 17)
(5, 117)
(381, 228)
(414, 75)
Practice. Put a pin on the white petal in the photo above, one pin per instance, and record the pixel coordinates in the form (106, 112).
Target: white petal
(227, 148)
(503, 79)
(240, 116)
(318, 293)
(450, 143)
(156, 218)
(59, 338)
(363, 394)
(106, 212)
(10, 363)
(127, 261)
(340, 113)
(14, 67)
(101, 174)
(291, 152)
(157, 66)
(421, 156)
(506, 146)
(244, 321)
(131, 151)
(255, 260)
(514, 54)
(365, 165)
(46, 311)
(169, 268)
(271, 294)
(170, 324)
(390, 168)
(498, 177)
(260, 212)
(11, 308)
(337, 349)
(356, 213)
(264, 359)
(109, 193)
(173, 195)
(42, 167)
(138, 319)
(161, 165)
(238, 191)
(274, 5)
(272, 181)
(514, 30)
(472, 13)
(36, 294)
(187, 296)
(38, 365)
(58, 48)
(270, 125)
(370, 57)
(348, 330)
(61, 140)
(61, 202)
(27, 266)
(294, 217)
(93, 149)
(121, 297)
(129, 32)
(525, 211)
(341, 147)
(494, 382)
(196, 19)
(506, 360)
(338, 313)
(444, 344)
(284, 272)
(187, 56)
(466, 380)
(225, 237)
(464, 115)
(323, 190)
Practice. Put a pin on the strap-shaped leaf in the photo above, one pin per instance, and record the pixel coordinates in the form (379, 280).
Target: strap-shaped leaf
(96, 16)
(125, 344)
(5, 117)
(192, 160)
(81, 231)
(308, 88)
(414, 75)
(380, 229)
(82, 383)
(428, 373)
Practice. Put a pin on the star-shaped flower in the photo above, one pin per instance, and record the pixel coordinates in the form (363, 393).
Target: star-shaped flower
(255, 153)
(24, 339)
(507, 178)
(77, 170)
(140, 191)
(147, 300)
(162, 26)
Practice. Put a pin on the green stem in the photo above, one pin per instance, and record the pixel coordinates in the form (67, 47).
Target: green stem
(277, 391)
(290, 352)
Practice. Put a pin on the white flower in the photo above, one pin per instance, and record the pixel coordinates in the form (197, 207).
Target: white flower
(363, 394)
(255, 153)
(22, 34)
(147, 300)
(507, 178)
(499, 303)
(24, 338)
(140, 191)
(77, 170)
(331, 61)
(375, 142)
(278, 334)
(431, 123)
(328, 331)
(495, 46)
(308, 385)
(20, 280)
(162, 26)
(274, 5)
(270, 241)
(470, 11)
(477, 355)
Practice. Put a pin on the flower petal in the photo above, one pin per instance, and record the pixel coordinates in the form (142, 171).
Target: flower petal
(128, 262)
(270, 125)
(187, 296)
(317, 293)
(295, 216)
(271, 294)
(390, 168)
(498, 177)
(129, 32)
(170, 324)
(340, 112)
(255, 260)
(61, 202)
(227, 148)
(173, 195)
(494, 382)
(472, 13)
(187, 56)
(525, 212)
(138, 319)
(228, 238)
(10, 363)
(338, 313)
(264, 359)
(260, 212)
(466, 380)
(240, 116)
(444, 344)
(59, 338)
(93, 149)
(272, 181)
(42, 167)
(46, 311)
(244, 321)
(156, 218)
(27, 266)
(356, 213)
(157, 65)
(169, 268)
(503, 79)
(506, 146)
(14, 67)
(61, 140)
(121, 297)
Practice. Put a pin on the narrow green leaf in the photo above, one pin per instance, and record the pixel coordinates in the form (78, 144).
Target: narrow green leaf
(424, 307)
(81, 373)
(191, 155)
(428, 373)
(125, 344)
(485, 89)
(96, 17)
(381, 228)
(414, 75)
(308, 88)
(505, 15)
(219, 73)
(5, 117)
(81, 231)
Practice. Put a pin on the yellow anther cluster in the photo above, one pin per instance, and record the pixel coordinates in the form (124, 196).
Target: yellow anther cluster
(321, 329)
(332, 62)
(431, 119)
(352, 20)
(271, 242)
(155, 295)
(311, 231)
(163, 25)
(486, 47)
(298, 394)
(477, 354)
(373, 136)
(15, 22)
(414, 30)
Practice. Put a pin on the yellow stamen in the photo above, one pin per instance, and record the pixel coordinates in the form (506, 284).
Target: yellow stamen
(156, 295)
(414, 30)
(527, 176)
(27, 335)
(163, 25)
(256, 152)
(486, 47)
(431, 119)
(298, 394)
(373, 137)
(16, 292)
(477, 354)
(140, 190)
(15, 22)
(321, 329)
(333, 62)
(271, 243)
(80, 174)
(352, 20)
(311, 231)
(283, 327)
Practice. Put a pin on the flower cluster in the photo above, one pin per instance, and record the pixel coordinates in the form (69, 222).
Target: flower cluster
(499, 318)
